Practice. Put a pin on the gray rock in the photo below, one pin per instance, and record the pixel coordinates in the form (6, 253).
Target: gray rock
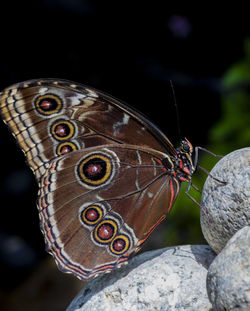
(228, 279)
(227, 206)
(169, 279)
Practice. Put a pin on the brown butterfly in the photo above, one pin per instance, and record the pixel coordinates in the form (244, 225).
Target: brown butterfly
(107, 176)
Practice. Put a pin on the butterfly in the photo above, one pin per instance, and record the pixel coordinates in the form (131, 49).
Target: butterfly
(107, 176)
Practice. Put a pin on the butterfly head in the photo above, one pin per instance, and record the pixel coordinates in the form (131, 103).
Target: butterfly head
(186, 147)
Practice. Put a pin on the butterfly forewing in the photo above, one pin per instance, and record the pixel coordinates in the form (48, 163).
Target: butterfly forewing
(50, 118)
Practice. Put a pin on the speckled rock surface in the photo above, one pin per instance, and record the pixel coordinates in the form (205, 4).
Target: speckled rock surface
(227, 206)
(228, 279)
(169, 279)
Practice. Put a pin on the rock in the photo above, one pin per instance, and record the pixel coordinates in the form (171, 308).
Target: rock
(169, 279)
(227, 206)
(228, 279)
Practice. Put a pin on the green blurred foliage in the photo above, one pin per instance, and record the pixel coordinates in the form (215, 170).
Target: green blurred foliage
(231, 132)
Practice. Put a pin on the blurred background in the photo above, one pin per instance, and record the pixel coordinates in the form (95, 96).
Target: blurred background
(130, 50)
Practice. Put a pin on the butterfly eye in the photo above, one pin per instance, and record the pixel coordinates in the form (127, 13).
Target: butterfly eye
(185, 146)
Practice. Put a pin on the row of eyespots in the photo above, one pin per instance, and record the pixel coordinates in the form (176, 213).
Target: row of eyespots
(105, 231)
(61, 130)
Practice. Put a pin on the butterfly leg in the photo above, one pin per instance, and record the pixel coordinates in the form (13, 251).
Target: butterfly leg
(202, 168)
(208, 173)
(205, 150)
(196, 188)
(190, 197)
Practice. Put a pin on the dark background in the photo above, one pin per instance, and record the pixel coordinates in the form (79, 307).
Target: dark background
(130, 50)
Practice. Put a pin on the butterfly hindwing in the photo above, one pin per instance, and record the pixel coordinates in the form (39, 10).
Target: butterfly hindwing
(109, 198)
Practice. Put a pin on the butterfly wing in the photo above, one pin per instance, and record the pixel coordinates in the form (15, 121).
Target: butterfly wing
(98, 205)
(103, 188)
(50, 118)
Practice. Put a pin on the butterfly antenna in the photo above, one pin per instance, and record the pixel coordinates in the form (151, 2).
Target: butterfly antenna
(176, 110)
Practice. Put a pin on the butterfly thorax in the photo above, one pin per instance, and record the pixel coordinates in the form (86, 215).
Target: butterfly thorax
(181, 165)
